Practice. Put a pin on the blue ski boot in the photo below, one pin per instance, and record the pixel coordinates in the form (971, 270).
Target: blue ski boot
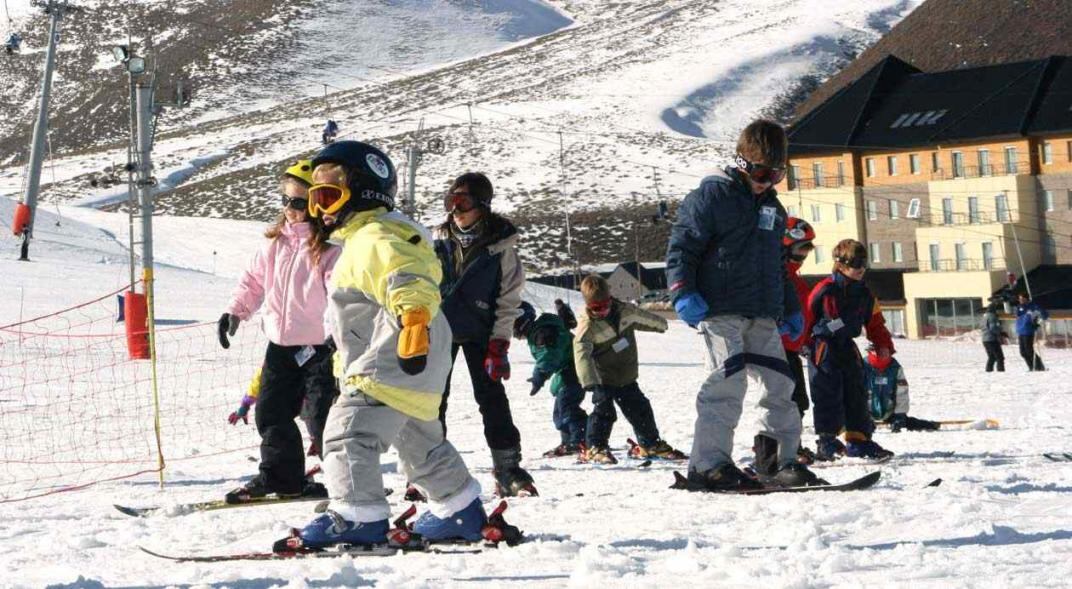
(467, 524)
(867, 449)
(331, 528)
(829, 448)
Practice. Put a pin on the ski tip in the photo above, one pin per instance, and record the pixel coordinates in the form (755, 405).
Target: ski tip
(680, 482)
(132, 511)
(935, 483)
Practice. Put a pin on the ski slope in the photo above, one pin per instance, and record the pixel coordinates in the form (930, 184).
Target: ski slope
(1002, 516)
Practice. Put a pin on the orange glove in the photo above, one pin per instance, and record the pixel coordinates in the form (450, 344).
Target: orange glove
(413, 341)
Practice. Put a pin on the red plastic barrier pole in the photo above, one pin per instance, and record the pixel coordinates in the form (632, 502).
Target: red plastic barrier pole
(136, 313)
(22, 218)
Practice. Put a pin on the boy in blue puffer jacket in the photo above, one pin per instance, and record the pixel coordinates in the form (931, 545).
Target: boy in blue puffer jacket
(551, 345)
(727, 275)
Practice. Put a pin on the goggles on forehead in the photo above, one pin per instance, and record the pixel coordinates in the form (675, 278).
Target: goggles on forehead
(759, 173)
(327, 199)
(459, 201)
(855, 263)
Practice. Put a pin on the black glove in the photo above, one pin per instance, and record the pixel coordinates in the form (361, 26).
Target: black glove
(596, 389)
(537, 379)
(898, 422)
(227, 325)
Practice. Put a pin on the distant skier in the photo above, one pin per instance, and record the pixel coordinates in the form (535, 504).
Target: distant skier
(481, 289)
(798, 243)
(288, 276)
(1029, 317)
(839, 308)
(393, 359)
(605, 354)
(551, 345)
(727, 277)
(993, 338)
(331, 130)
(14, 42)
(565, 313)
(887, 388)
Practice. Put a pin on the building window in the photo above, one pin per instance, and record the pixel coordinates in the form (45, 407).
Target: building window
(817, 172)
(841, 173)
(988, 255)
(1010, 160)
(958, 164)
(816, 214)
(935, 259)
(793, 177)
(1001, 205)
(839, 211)
(973, 209)
(870, 165)
(792, 210)
(934, 162)
(913, 163)
(962, 256)
(894, 321)
(947, 211)
(895, 209)
(898, 255)
(875, 252)
(984, 162)
(820, 254)
(1047, 152)
(872, 210)
(1047, 200)
(891, 164)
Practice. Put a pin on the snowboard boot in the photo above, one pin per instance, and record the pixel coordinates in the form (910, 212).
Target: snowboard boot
(921, 425)
(660, 450)
(723, 478)
(795, 474)
(766, 450)
(467, 524)
(563, 450)
(599, 455)
(255, 489)
(330, 529)
(829, 448)
(867, 449)
(510, 479)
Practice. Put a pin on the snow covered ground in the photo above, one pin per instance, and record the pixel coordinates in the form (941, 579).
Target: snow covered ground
(1000, 518)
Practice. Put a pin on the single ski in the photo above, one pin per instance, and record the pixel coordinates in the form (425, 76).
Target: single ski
(864, 482)
(218, 504)
(352, 551)
(988, 423)
(1059, 456)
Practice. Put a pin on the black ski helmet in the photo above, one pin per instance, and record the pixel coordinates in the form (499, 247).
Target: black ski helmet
(370, 174)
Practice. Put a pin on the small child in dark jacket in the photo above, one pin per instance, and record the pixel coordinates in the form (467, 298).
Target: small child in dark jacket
(839, 308)
(887, 390)
(605, 355)
(551, 345)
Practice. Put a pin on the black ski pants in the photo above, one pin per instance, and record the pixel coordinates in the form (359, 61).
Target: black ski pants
(800, 387)
(994, 356)
(285, 385)
(634, 405)
(490, 395)
(837, 391)
(1027, 352)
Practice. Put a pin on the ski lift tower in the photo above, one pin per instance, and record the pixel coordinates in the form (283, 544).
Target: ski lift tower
(28, 207)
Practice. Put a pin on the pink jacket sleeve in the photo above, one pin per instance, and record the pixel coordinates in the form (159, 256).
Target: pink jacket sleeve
(249, 294)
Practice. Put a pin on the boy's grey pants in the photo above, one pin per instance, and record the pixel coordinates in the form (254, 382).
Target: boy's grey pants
(736, 345)
(359, 429)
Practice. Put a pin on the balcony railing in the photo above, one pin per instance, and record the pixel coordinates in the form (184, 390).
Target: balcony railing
(961, 265)
(810, 183)
(978, 218)
(999, 169)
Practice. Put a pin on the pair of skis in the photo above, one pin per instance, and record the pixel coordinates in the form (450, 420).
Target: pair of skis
(402, 540)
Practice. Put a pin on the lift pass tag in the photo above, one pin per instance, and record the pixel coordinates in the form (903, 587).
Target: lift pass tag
(766, 218)
(620, 345)
(303, 355)
(882, 380)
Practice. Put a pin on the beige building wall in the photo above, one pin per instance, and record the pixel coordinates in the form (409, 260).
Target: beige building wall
(943, 285)
(820, 206)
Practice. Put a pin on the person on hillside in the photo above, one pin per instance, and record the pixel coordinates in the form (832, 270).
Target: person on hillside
(993, 338)
(887, 390)
(605, 354)
(798, 243)
(289, 277)
(481, 289)
(392, 362)
(840, 307)
(727, 277)
(1029, 318)
(565, 313)
(331, 130)
(551, 345)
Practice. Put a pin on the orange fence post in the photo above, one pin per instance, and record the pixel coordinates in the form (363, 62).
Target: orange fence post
(136, 314)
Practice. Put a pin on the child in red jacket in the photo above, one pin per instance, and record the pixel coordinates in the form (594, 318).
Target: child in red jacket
(839, 308)
(797, 243)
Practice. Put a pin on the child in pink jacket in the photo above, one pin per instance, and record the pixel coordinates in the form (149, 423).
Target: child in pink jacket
(288, 277)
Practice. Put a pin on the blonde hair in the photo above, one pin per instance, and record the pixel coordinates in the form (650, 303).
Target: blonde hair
(329, 168)
(595, 288)
(764, 142)
(847, 249)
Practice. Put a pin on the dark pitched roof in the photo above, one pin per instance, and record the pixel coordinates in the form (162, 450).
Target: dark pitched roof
(650, 278)
(896, 106)
(942, 35)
